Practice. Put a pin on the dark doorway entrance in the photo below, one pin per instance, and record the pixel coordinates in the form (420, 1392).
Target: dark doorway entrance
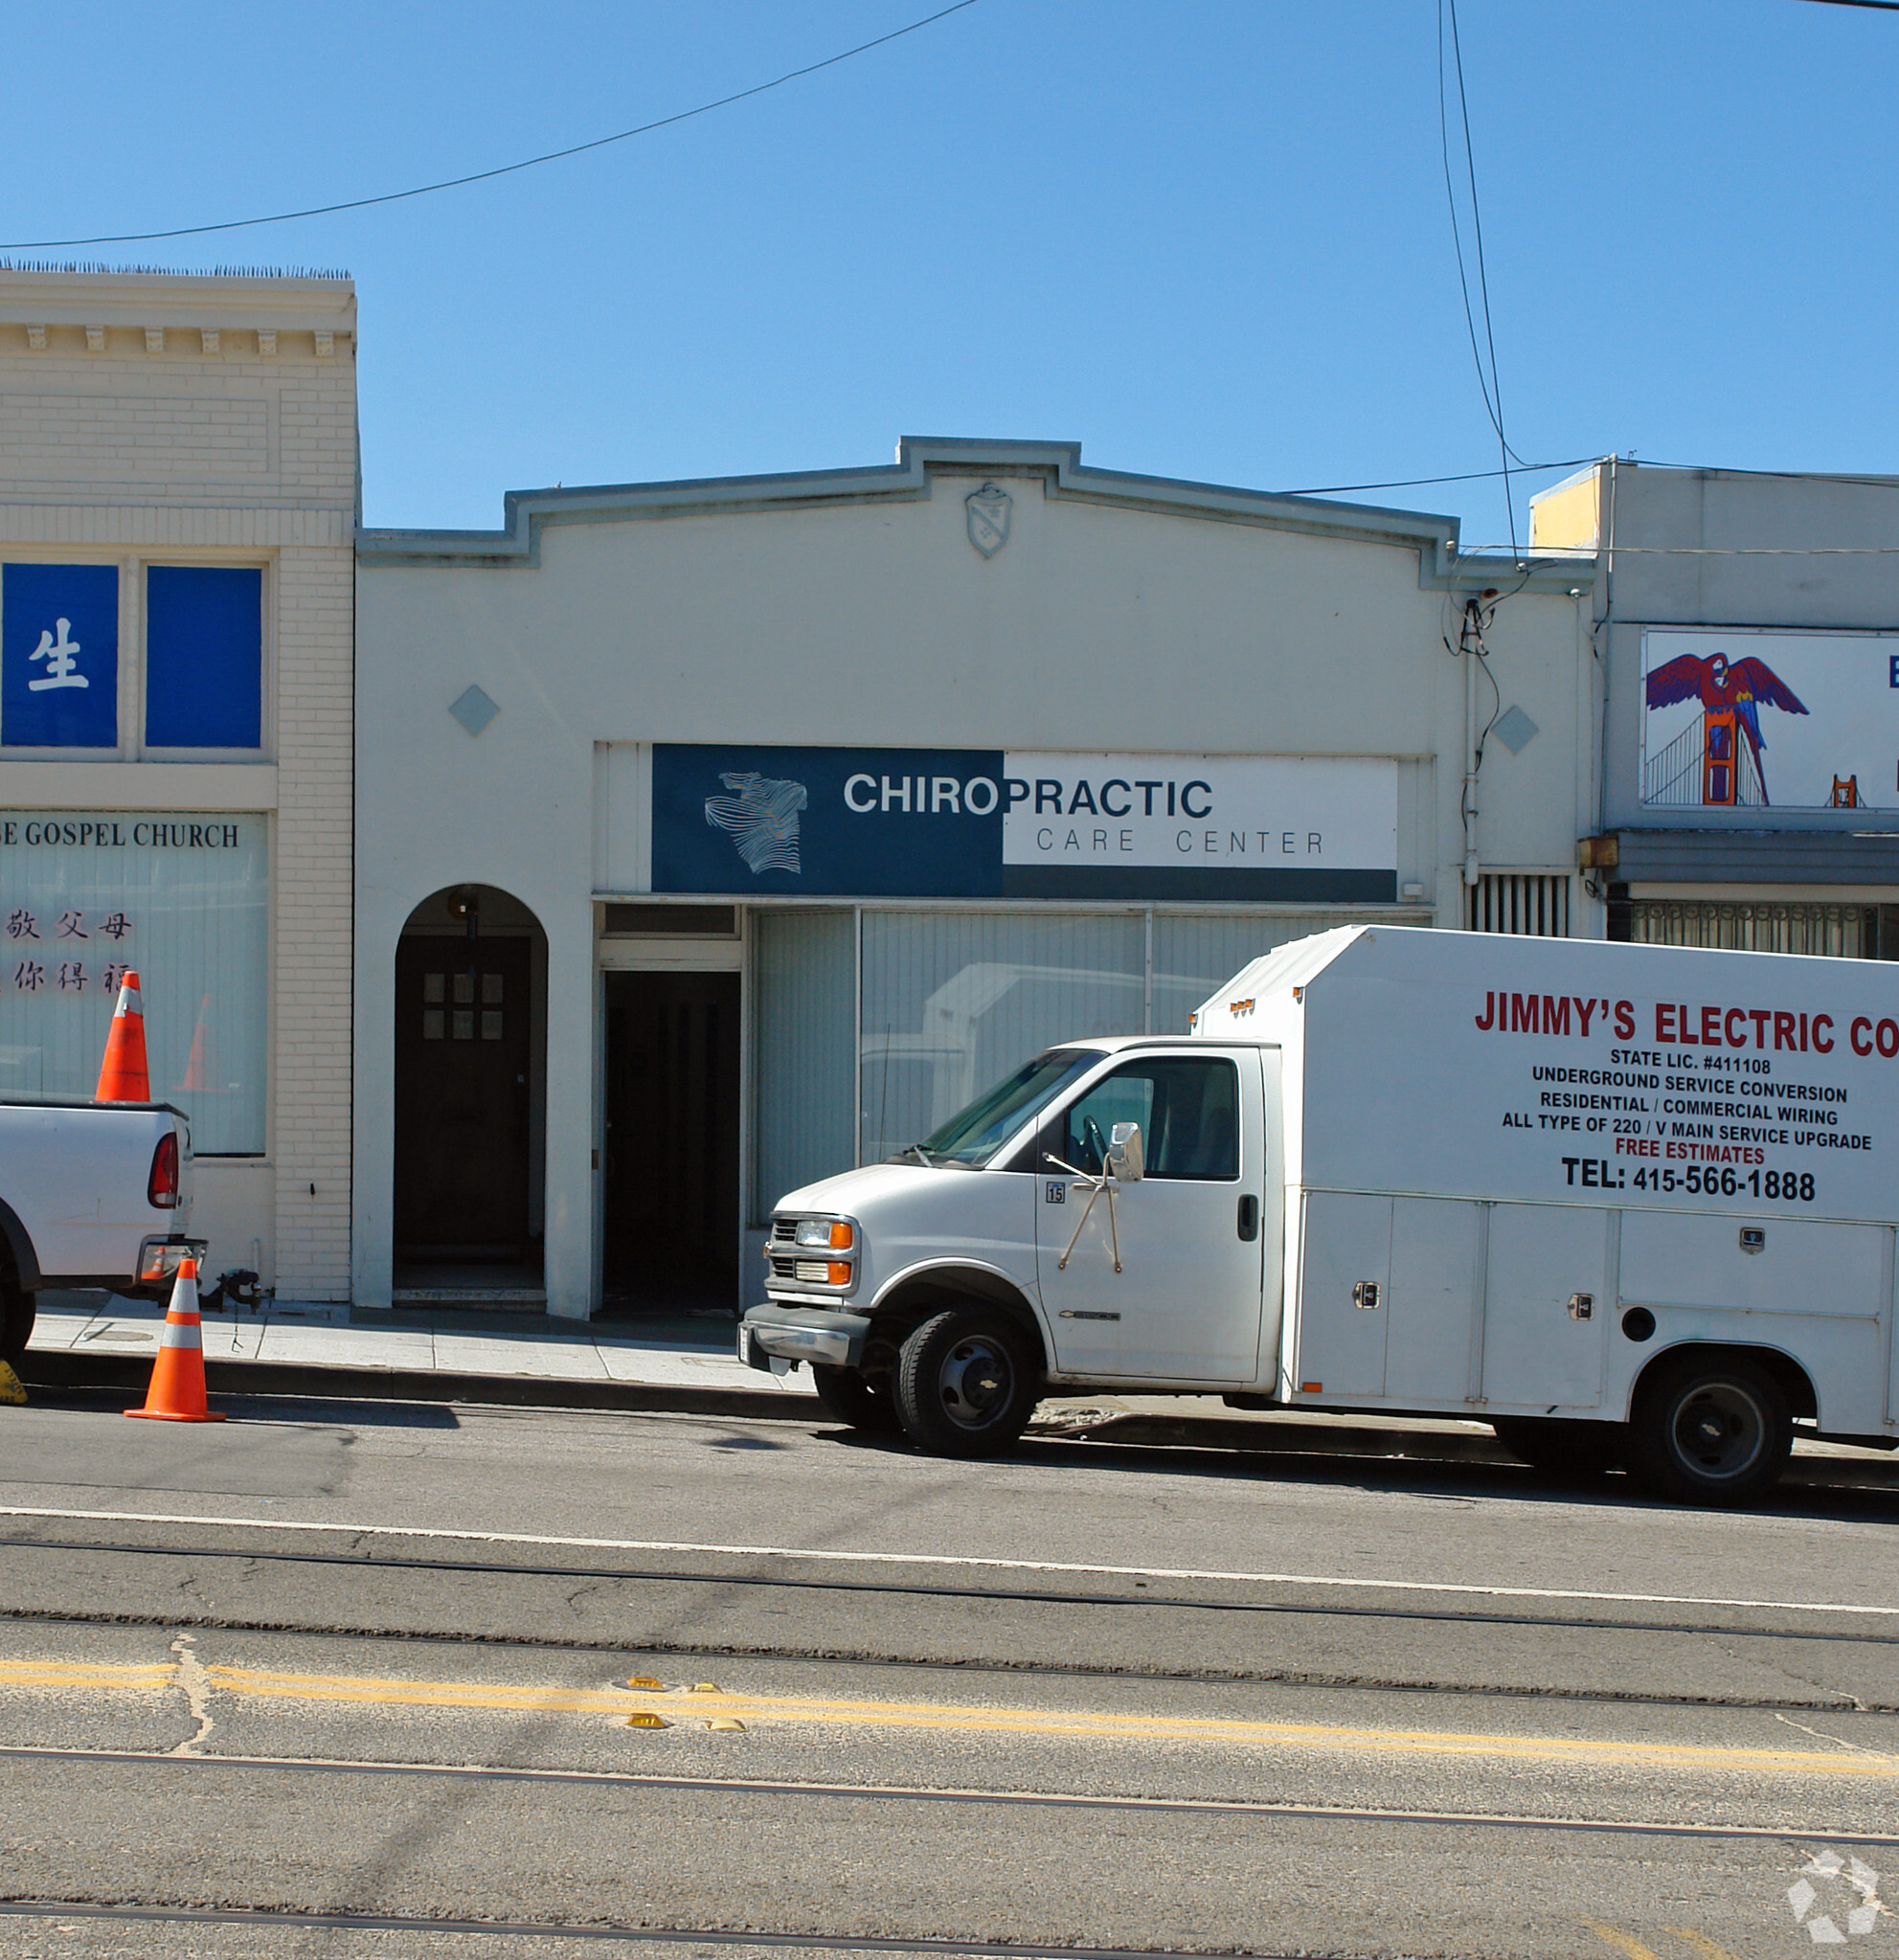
(671, 1177)
(462, 1133)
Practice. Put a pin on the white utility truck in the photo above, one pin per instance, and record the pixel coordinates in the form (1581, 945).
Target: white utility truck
(91, 1194)
(1626, 1204)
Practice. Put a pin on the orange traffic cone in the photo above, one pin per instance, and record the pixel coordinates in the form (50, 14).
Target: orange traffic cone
(122, 1076)
(176, 1394)
(201, 1070)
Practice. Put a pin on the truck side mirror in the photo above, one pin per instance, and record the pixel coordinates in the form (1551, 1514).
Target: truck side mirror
(1127, 1155)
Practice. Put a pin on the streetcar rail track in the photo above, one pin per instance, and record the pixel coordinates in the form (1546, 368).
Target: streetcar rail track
(1330, 1609)
(1795, 1836)
(1826, 1702)
(267, 1917)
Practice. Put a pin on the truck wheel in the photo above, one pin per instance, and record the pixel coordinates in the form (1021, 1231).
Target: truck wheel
(855, 1401)
(966, 1384)
(1564, 1448)
(16, 1319)
(1711, 1432)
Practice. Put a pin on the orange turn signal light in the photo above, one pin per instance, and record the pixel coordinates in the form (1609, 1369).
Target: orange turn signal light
(843, 1235)
(1312, 1388)
(839, 1272)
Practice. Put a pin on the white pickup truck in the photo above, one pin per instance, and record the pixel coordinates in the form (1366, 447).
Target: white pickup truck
(92, 1194)
(1625, 1204)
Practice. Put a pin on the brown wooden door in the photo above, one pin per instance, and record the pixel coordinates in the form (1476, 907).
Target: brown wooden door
(670, 1189)
(461, 1066)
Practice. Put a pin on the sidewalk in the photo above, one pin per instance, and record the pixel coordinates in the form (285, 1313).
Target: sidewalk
(90, 1338)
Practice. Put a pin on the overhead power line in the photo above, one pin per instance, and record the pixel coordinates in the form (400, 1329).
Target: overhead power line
(1469, 476)
(1486, 377)
(284, 218)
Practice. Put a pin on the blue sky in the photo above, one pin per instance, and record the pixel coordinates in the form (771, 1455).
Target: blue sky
(1204, 239)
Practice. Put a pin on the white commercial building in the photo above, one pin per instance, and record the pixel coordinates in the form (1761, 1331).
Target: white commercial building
(1748, 627)
(715, 836)
(178, 474)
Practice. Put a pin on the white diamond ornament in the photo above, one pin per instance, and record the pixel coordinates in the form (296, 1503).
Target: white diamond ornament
(1516, 731)
(473, 709)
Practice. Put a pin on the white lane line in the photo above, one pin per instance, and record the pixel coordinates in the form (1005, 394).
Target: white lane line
(944, 1560)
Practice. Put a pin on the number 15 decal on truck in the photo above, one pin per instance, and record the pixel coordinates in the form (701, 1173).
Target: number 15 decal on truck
(1630, 1205)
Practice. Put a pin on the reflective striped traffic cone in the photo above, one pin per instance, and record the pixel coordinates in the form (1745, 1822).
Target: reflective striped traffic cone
(124, 1076)
(176, 1394)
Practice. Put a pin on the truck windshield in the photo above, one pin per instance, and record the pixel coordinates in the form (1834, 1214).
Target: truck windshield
(973, 1136)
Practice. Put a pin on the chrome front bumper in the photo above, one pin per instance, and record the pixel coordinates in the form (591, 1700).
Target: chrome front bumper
(802, 1333)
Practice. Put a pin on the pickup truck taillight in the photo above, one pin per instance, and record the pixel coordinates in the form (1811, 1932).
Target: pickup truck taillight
(161, 1186)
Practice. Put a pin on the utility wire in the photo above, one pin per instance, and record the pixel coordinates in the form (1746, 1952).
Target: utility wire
(1469, 476)
(282, 217)
(1486, 381)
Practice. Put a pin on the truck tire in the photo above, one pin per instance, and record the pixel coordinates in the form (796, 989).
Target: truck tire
(854, 1400)
(1564, 1448)
(966, 1383)
(16, 1319)
(1713, 1432)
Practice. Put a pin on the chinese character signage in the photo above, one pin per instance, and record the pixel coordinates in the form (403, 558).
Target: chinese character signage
(1738, 723)
(59, 655)
(204, 657)
(86, 895)
(980, 823)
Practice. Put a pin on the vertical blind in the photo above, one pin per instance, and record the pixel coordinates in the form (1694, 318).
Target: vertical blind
(950, 1003)
(807, 993)
(183, 900)
(954, 1000)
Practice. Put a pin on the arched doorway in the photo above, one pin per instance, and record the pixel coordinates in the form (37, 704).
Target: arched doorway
(470, 1100)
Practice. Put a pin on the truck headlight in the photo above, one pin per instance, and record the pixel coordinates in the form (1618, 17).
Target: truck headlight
(826, 1234)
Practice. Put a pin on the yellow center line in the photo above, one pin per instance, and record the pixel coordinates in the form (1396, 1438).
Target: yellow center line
(67, 1674)
(1634, 1950)
(965, 1719)
(947, 1718)
(1701, 1942)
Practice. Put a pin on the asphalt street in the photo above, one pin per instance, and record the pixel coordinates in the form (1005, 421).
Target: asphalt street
(385, 1678)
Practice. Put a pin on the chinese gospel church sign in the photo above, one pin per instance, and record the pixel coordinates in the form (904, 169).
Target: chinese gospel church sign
(185, 899)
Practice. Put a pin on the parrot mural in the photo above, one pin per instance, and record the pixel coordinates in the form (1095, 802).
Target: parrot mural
(1740, 687)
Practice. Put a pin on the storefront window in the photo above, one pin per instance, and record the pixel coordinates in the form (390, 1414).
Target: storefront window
(1195, 951)
(954, 1000)
(1848, 932)
(181, 899)
(804, 1016)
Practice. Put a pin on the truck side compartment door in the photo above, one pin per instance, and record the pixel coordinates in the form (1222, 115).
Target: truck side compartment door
(1436, 1272)
(1344, 1286)
(1545, 1307)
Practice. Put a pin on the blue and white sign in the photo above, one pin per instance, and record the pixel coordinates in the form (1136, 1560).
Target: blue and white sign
(1004, 824)
(204, 657)
(59, 655)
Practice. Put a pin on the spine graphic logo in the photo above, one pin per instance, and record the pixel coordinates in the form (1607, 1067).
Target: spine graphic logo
(761, 816)
(1848, 1875)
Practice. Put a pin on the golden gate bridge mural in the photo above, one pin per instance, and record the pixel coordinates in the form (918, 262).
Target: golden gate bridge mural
(1715, 762)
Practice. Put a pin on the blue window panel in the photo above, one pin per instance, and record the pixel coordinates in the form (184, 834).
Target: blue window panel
(59, 655)
(204, 657)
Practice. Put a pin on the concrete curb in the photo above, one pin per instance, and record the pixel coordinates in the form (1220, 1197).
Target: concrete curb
(57, 1368)
(1234, 1435)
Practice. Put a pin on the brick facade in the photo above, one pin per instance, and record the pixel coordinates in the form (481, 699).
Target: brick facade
(215, 420)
